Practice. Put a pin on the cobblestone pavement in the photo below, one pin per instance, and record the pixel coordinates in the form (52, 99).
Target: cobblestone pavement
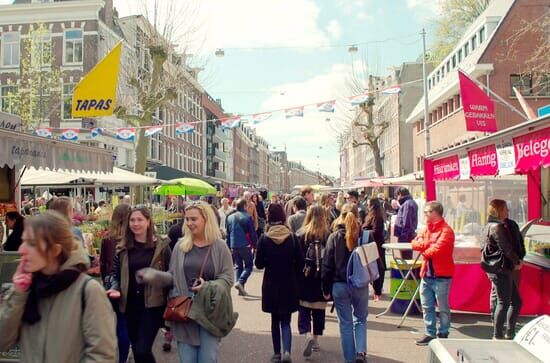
(250, 341)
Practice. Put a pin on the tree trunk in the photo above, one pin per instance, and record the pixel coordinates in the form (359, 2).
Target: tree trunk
(377, 159)
(140, 163)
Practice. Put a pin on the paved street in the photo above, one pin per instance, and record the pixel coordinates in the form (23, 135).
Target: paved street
(250, 341)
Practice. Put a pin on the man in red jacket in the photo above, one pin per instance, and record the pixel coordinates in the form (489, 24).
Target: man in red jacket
(436, 244)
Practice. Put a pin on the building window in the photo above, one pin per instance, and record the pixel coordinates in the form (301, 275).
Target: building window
(41, 49)
(10, 49)
(454, 61)
(438, 75)
(451, 105)
(40, 105)
(429, 84)
(442, 72)
(466, 49)
(544, 85)
(474, 42)
(67, 101)
(448, 66)
(8, 95)
(482, 35)
(459, 55)
(73, 46)
(523, 83)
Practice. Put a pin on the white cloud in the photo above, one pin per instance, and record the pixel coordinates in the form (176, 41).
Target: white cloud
(334, 29)
(356, 7)
(303, 136)
(363, 15)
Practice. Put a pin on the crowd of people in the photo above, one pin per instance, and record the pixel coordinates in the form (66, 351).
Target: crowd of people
(181, 283)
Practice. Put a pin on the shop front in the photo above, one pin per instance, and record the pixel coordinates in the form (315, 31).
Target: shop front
(512, 165)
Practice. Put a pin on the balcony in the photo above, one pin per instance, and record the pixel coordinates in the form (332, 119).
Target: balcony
(220, 174)
(220, 155)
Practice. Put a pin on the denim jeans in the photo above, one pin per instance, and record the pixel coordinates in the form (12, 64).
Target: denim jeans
(508, 303)
(352, 309)
(280, 326)
(242, 256)
(122, 337)
(306, 315)
(432, 291)
(206, 352)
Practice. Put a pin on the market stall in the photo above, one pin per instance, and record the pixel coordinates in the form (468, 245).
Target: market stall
(512, 165)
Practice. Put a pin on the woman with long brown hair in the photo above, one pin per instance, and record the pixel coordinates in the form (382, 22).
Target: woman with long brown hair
(351, 303)
(501, 258)
(54, 311)
(375, 222)
(143, 305)
(313, 238)
(115, 234)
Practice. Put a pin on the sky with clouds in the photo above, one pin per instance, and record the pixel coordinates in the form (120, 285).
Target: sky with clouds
(285, 53)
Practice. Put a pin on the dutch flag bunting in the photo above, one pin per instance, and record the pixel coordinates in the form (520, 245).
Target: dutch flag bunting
(326, 106)
(126, 134)
(44, 132)
(69, 134)
(184, 128)
(151, 130)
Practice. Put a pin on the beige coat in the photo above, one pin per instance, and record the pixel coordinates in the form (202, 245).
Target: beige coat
(63, 334)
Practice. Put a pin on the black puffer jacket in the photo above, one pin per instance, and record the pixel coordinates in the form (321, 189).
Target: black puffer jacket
(336, 259)
(498, 237)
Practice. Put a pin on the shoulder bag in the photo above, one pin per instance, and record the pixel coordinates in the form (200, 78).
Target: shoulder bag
(177, 308)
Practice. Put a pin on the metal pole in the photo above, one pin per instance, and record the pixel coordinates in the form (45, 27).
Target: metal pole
(426, 105)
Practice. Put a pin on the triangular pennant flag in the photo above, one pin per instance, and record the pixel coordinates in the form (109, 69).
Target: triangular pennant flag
(69, 134)
(326, 106)
(260, 117)
(391, 90)
(294, 112)
(231, 122)
(126, 133)
(44, 132)
(184, 128)
(359, 99)
(479, 109)
(151, 130)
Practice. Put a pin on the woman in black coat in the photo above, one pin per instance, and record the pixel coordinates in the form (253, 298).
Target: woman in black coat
(281, 256)
(15, 222)
(375, 223)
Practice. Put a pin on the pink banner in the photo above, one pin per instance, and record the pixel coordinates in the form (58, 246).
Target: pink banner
(483, 161)
(479, 109)
(447, 168)
(532, 150)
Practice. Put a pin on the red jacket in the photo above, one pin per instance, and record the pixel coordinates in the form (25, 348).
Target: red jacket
(436, 243)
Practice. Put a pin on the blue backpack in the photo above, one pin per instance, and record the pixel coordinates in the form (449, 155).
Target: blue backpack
(359, 275)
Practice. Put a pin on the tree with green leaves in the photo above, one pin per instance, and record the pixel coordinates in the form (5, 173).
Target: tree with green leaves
(454, 17)
(39, 85)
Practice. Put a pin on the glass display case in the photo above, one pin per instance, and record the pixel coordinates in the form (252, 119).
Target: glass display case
(537, 242)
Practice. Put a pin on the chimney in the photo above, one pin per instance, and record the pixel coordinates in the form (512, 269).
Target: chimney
(219, 101)
(107, 13)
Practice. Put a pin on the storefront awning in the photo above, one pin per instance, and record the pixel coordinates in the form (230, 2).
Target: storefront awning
(32, 151)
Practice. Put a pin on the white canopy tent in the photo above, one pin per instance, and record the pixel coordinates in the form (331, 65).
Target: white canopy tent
(44, 177)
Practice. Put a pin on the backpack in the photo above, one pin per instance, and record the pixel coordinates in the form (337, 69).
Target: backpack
(362, 267)
(314, 259)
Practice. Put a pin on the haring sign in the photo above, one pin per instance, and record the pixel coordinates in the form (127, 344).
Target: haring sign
(483, 161)
(479, 109)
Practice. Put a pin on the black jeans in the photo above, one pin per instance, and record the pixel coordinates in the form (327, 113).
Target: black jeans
(305, 315)
(508, 304)
(143, 326)
(280, 326)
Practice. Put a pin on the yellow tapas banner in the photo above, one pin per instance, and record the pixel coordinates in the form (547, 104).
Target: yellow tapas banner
(95, 94)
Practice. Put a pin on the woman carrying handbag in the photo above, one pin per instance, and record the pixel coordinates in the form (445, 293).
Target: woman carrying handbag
(201, 271)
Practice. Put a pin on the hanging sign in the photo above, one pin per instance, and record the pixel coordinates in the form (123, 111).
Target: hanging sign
(483, 161)
(464, 169)
(532, 150)
(447, 168)
(506, 161)
(479, 109)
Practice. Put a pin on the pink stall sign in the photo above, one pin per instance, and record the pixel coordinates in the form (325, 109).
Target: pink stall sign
(447, 168)
(532, 150)
(483, 161)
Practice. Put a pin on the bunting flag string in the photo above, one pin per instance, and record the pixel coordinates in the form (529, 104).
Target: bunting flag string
(230, 122)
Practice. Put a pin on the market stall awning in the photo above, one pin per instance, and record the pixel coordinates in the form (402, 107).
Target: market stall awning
(408, 179)
(33, 176)
(21, 149)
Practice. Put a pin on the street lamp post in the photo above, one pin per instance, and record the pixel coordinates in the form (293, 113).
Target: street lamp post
(426, 104)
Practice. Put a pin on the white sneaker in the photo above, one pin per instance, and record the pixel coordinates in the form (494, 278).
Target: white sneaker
(308, 345)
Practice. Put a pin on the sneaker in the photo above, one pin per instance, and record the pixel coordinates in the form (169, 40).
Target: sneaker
(286, 358)
(443, 336)
(308, 345)
(377, 298)
(240, 289)
(361, 358)
(425, 340)
(276, 358)
(316, 347)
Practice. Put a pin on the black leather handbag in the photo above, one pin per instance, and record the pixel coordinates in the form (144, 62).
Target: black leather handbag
(492, 258)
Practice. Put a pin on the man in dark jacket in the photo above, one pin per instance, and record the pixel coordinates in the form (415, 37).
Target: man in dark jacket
(407, 219)
(296, 220)
(241, 238)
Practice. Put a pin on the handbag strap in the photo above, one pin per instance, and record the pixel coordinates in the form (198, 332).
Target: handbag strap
(204, 261)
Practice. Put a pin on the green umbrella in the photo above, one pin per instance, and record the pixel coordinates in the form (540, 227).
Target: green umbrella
(185, 186)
